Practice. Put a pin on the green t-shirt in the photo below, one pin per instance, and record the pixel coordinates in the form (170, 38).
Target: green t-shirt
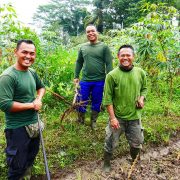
(20, 86)
(95, 60)
(122, 89)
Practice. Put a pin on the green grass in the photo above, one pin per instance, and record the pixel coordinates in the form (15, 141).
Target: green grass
(77, 143)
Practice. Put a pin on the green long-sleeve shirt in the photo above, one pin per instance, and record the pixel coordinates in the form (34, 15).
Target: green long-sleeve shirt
(20, 86)
(122, 89)
(95, 60)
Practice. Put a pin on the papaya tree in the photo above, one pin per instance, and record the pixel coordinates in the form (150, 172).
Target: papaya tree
(157, 40)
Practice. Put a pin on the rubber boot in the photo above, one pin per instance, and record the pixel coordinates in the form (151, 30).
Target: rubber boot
(94, 116)
(27, 174)
(134, 153)
(107, 164)
(81, 117)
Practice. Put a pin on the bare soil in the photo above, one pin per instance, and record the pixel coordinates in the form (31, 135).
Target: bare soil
(157, 163)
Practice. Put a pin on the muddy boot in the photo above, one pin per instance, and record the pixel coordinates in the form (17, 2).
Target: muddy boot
(134, 153)
(81, 117)
(107, 164)
(27, 174)
(94, 116)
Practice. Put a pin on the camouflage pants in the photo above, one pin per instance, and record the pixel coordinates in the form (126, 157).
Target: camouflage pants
(133, 132)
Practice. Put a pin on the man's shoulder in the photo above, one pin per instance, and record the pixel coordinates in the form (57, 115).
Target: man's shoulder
(114, 71)
(99, 43)
(85, 44)
(139, 69)
(103, 43)
(32, 70)
(9, 71)
(8, 75)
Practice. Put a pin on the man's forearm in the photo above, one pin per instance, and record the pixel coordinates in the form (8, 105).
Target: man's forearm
(140, 102)
(109, 66)
(141, 98)
(112, 118)
(40, 93)
(17, 106)
(110, 111)
(77, 70)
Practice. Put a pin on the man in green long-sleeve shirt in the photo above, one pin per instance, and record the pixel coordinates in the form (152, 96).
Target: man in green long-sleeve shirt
(95, 61)
(124, 94)
(21, 93)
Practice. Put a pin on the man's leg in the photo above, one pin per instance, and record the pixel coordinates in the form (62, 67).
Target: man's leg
(33, 151)
(17, 152)
(111, 142)
(97, 94)
(84, 96)
(135, 138)
(94, 116)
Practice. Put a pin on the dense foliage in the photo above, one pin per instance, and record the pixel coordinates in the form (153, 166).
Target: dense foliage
(155, 39)
(71, 17)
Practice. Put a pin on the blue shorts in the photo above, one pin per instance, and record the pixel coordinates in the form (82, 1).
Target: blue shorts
(21, 151)
(92, 91)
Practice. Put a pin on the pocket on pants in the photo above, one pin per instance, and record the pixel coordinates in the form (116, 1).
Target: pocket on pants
(11, 158)
(108, 131)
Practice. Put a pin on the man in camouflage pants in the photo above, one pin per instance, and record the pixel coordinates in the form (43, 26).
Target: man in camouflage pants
(124, 94)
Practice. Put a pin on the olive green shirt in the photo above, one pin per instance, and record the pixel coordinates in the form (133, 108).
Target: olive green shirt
(95, 60)
(122, 89)
(19, 86)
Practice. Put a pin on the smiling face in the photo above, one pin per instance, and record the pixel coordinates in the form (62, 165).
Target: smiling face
(25, 55)
(92, 34)
(126, 57)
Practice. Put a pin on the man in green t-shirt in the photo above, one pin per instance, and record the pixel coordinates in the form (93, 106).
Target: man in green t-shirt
(124, 94)
(95, 60)
(21, 93)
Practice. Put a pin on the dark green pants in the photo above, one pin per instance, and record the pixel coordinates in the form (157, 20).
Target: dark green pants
(133, 132)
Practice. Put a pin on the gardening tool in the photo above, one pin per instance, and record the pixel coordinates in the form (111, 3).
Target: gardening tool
(43, 149)
(76, 103)
(76, 94)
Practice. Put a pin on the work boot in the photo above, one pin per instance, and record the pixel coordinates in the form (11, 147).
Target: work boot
(27, 174)
(134, 153)
(81, 117)
(94, 116)
(107, 164)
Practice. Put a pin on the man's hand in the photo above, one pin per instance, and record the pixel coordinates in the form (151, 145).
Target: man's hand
(37, 104)
(140, 102)
(114, 123)
(76, 81)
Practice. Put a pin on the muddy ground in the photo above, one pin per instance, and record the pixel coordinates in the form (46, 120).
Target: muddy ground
(157, 163)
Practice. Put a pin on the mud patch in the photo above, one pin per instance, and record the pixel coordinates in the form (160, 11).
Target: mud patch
(158, 163)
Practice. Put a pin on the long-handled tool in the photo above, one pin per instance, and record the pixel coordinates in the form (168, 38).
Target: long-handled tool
(76, 93)
(76, 103)
(43, 149)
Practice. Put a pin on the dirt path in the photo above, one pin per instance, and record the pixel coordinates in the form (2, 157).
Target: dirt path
(161, 163)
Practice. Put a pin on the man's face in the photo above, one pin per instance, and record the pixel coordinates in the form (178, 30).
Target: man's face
(92, 34)
(25, 54)
(126, 57)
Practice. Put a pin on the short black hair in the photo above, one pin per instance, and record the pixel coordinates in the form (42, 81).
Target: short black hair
(27, 41)
(92, 25)
(126, 46)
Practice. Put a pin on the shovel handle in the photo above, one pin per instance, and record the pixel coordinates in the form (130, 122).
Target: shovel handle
(76, 93)
(43, 150)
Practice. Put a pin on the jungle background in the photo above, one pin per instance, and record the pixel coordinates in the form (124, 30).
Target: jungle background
(151, 26)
